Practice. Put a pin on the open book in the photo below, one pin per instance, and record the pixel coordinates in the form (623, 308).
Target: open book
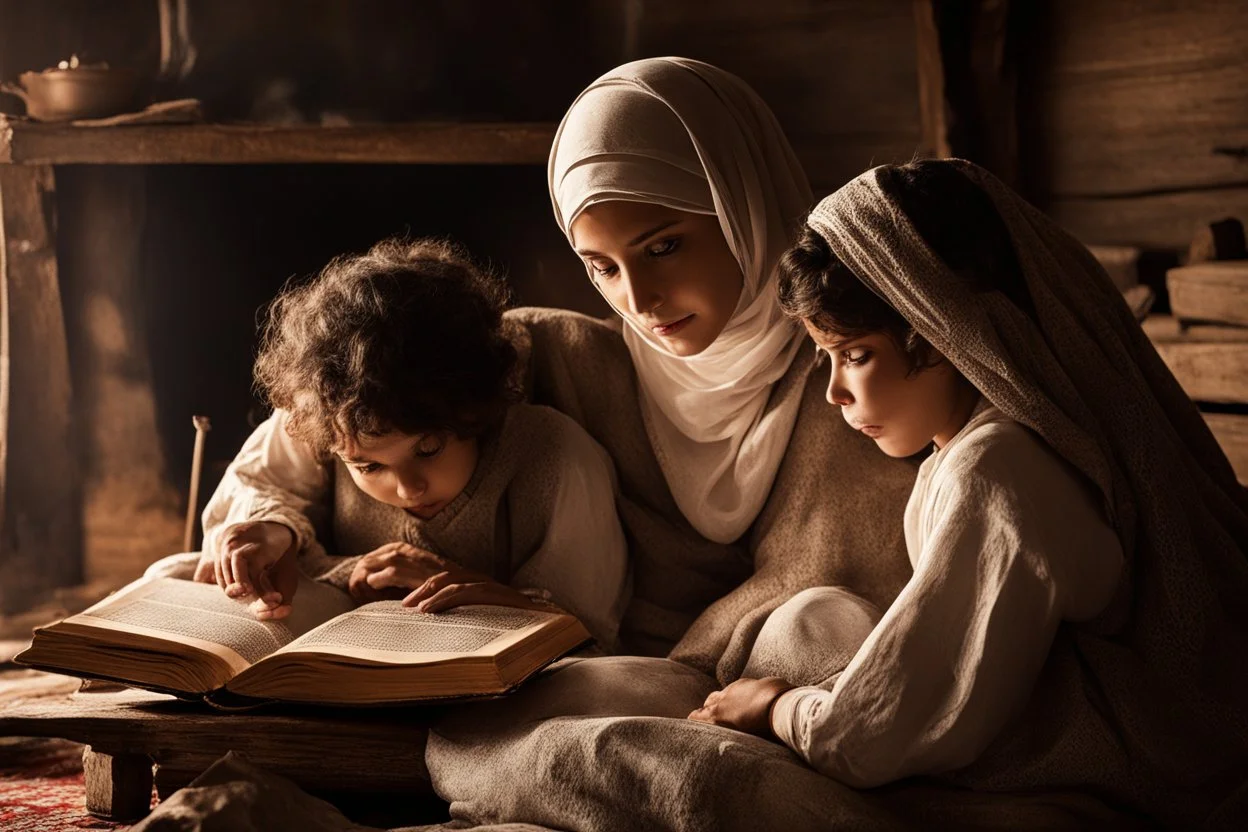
(191, 640)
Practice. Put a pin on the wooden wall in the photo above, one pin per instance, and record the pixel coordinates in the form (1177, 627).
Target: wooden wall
(839, 74)
(1124, 106)
(1119, 107)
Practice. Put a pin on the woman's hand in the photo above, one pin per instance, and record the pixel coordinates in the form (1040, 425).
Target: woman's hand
(393, 570)
(745, 705)
(458, 587)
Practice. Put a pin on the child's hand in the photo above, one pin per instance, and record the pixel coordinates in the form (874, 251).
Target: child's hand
(276, 589)
(250, 560)
(391, 571)
(458, 587)
(745, 705)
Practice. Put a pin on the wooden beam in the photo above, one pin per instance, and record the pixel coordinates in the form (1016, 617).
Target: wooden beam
(40, 518)
(1164, 221)
(968, 82)
(24, 142)
(931, 71)
(131, 512)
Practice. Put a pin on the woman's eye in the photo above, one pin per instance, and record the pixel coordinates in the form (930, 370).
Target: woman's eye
(430, 446)
(663, 247)
(855, 356)
(603, 269)
(369, 468)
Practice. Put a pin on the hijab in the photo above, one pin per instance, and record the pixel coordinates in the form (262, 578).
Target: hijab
(688, 136)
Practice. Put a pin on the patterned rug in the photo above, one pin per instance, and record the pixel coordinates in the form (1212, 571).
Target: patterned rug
(41, 787)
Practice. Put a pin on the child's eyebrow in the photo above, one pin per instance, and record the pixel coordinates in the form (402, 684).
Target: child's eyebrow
(355, 460)
(834, 345)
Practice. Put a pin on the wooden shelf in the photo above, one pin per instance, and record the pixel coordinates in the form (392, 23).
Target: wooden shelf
(465, 143)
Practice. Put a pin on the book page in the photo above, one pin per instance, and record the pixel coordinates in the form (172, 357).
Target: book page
(203, 616)
(386, 631)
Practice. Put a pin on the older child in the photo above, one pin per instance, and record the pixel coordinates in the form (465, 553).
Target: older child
(1077, 537)
(432, 482)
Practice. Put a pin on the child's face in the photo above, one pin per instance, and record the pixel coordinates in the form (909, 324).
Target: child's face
(669, 272)
(419, 473)
(877, 393)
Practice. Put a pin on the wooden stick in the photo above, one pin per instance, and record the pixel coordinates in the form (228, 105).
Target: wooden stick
(202, 426)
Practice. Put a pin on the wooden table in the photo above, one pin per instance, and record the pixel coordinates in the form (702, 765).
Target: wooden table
(136, 738)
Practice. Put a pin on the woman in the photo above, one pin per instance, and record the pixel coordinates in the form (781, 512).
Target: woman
(676, 186)
(678, 190)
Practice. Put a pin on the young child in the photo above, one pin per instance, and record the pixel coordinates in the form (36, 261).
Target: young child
(433, 482)
(957, 318)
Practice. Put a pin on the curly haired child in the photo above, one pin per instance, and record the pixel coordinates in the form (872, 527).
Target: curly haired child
(428, 479)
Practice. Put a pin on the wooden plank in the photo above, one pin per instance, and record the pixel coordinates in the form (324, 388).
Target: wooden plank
(1133, 99)
(1167, 328)
(118, 786)
(40, 519)
(1231, 431)
(1212, 291)
(371, 750)
(23, 142)
(1209, 372)
(1160, 221)
(840, 75)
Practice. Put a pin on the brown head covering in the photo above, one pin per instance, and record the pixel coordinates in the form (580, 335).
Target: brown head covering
(1159, 680)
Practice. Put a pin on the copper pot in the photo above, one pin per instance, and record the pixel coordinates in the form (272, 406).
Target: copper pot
(81, 92)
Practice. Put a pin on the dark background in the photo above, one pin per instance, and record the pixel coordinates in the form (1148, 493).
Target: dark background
(1105, 113)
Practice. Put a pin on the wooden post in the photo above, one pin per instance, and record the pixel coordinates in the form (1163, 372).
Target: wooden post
(119, 786)
(130, 508)
(40, 522)
(931, 70)
(968, 80)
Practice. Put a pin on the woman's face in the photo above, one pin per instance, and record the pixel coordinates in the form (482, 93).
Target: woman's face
(419, 473)
(669, 272)
(880, 396)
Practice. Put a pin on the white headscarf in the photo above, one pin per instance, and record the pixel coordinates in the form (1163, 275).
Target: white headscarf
(689, 136)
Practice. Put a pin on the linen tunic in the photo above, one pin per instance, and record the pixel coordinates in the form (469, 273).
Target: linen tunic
(1007, 542)
(538, 513)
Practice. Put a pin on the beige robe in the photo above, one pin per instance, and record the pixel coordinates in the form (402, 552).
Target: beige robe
(1007, 541)
(538, 513)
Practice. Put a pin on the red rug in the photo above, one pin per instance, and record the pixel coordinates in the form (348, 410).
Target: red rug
(41, 787)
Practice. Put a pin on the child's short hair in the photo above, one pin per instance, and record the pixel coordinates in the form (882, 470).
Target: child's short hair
(958, 222)
(406, 338)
